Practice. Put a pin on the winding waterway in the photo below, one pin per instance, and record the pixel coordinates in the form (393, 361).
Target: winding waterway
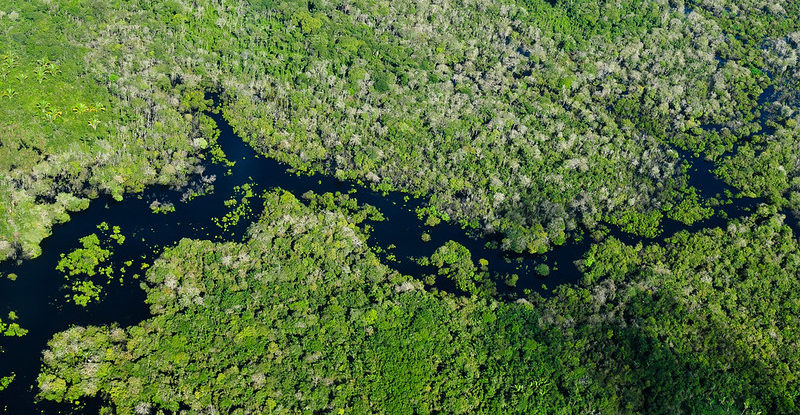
(38, 296)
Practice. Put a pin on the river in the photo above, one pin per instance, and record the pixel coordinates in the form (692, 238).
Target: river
(38, 296)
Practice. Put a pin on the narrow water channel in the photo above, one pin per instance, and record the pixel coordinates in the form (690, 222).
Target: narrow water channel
(38, 296)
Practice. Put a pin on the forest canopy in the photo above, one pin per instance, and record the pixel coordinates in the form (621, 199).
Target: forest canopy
(529, 118)
(302, 317)
(537, 123)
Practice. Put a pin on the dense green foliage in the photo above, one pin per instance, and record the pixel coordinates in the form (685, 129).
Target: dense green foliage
(769, 165)
(454, 262)
(92, 258)
(535, 119)
(85, 260)
(531, 118)
(303, 318)
(706, 323)
(67, 133)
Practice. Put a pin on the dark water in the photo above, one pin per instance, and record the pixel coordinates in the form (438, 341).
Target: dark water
(38, 295)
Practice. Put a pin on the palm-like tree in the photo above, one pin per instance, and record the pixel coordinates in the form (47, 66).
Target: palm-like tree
(45, 67)
(6, 62)
(43, 105)
(48, 67)
(40, 73)
(96, 107)
(80, 108)
(51, 114)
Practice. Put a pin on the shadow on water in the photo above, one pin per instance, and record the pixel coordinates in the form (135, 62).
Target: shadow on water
(38, 296)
